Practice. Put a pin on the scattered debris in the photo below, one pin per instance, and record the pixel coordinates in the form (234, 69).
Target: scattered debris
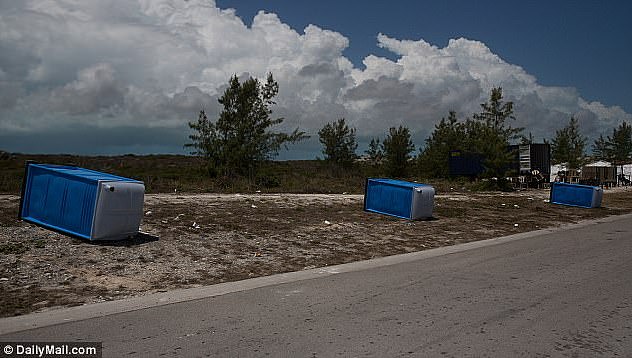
(195, 225)
(288, 233)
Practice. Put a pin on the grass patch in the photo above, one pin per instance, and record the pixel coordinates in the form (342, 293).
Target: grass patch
(15, 248)
(181, 173)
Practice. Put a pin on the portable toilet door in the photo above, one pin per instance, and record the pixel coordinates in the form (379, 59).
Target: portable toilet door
(81, 202)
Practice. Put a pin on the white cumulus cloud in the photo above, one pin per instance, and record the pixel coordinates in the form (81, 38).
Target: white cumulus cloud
(126, 69)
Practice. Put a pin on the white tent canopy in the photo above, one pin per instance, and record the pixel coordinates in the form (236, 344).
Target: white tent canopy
(600, 163)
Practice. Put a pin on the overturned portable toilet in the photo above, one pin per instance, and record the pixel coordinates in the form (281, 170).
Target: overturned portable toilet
(584, 196)
(81, 202)
(399, 198)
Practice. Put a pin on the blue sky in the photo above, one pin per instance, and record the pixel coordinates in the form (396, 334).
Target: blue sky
(582, 44)
(126, 76)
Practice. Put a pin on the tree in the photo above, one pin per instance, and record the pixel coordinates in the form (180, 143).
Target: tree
(568, 145)
(621, 143)
(339, 143)
(488, 134)
(240, 141)
(374, 151)
(601, 148)
(496, 112)
(448, 135)
(397, 147)
(203, 138)
(616, 149)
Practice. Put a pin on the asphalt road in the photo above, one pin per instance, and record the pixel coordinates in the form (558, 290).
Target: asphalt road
(561, 294)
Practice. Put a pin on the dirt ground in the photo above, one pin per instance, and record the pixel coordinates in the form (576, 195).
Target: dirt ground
(210, 238)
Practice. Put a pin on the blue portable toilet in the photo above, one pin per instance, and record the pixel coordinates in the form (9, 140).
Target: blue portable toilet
(399, 198)
(584, 196)
(81, 202)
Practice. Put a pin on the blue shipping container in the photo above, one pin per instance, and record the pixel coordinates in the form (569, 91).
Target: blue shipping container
(399, 198)
(81, 202)
(584, 196)
(465, 164)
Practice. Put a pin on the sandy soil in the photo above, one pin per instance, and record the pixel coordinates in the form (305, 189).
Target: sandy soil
(211, 238)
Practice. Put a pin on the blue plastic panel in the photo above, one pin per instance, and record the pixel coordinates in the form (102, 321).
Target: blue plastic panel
(77, 173)
(573, 195)
(390, 197)
(62, 198)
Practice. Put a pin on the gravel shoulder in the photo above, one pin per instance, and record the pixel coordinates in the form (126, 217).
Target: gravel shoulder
(211, 238)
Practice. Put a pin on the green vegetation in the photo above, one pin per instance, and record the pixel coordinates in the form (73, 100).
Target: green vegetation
(487, 134)
(397, 148)
(568, 145)
(339, 143)
(616, 149)
(448, 135)
(240, 141)
(182, 173)
(374, 151)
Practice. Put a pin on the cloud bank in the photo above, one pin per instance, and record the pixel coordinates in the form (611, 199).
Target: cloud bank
(131, 74)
